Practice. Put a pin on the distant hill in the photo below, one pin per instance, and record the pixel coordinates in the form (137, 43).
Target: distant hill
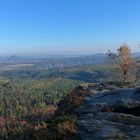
(13, 58)
(16, 59)
(136, 54)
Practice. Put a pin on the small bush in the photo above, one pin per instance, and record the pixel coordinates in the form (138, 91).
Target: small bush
(72, 101)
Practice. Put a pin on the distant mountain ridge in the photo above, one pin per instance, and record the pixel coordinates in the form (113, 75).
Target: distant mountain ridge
(92, 59)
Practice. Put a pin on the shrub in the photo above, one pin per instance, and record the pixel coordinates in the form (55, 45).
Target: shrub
(72, 101)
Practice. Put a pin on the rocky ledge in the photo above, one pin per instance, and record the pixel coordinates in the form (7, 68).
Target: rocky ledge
(110, 115)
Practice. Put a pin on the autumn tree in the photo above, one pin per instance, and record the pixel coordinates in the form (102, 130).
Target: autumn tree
(124, 63)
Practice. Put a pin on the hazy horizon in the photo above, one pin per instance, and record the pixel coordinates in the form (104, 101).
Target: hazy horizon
(52, 27)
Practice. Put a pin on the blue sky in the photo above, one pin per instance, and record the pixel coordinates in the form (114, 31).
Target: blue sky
(68, 26)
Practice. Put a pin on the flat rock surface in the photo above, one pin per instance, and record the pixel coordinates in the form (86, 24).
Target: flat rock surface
(110, 115)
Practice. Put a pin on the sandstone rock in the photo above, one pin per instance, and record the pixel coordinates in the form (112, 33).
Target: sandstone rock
(110, 115)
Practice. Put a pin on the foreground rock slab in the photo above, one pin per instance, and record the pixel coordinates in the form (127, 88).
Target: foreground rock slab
(110, 115)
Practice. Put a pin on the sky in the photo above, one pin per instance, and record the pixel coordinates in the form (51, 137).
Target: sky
(68, 26)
